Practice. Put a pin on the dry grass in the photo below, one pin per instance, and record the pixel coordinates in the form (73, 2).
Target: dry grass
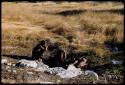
(21, 25)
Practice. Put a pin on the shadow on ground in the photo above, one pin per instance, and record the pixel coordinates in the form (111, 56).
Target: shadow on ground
(76, 11)
(17, 56)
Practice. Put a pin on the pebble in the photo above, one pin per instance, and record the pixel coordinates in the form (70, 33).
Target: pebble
(9, 64)
(29, 72)
(9, 70)
(58, 81)
(13, 64)
(92, 73)
(14, 71)
(7, 67)
(46, 82)
(4, 61)
(27, 63)
(109, 76)
(116, 62)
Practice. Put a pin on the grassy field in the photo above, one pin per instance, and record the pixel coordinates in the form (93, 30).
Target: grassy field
(88, 25)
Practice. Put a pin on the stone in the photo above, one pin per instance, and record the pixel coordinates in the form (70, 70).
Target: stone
(109, 76)
(41, 66)
(46, 82)
(14, 71)
(9, 64)
(72, 67)
(9, 70)
(30, 73)
(116, 62)
(58, 81)
(116, 49)
(27, 63)
(7, 67)
(3, 61)
(92, 73)
(13, 64)
(71, 71)
(55, 70)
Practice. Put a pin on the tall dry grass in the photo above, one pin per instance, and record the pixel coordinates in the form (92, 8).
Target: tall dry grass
(85, 30)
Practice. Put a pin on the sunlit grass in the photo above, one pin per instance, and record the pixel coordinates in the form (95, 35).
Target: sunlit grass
(86, 31)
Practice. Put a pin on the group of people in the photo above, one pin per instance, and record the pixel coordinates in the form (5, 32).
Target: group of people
(57, 56)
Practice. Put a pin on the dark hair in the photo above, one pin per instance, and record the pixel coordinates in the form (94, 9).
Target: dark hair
(42, 42)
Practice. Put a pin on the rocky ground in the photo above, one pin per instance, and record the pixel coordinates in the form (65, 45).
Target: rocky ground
(11, 73)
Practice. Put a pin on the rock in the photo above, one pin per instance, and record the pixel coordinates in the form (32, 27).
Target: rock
(72, 67)
(9, 64)
(109, 76)
(14, 71)
(9, 70)
(46, 82)
(92, 73)
(13, 64)
(71, 71)
(27, 63)
(42, 69)
(30, 73)
(41, 66)
(116, 62)
(116, 49)
(7, 67)
(4, 61)
(55, 70)
(58, 81)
